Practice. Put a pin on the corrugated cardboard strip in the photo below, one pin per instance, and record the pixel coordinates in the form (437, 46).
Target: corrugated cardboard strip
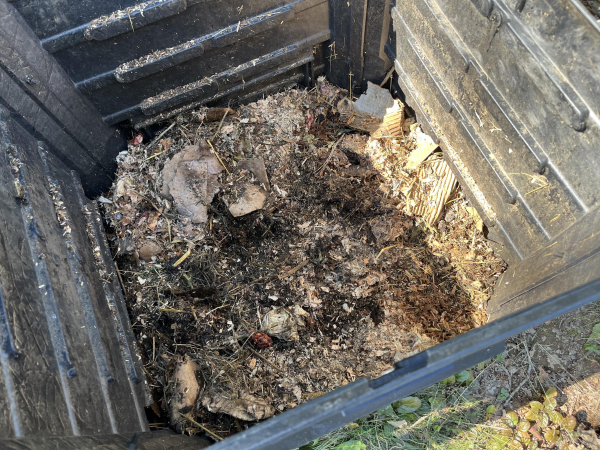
(375, 112)
(428, 194)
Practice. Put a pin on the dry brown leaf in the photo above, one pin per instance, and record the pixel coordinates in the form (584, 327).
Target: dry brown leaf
(283, 323)
(190, 179)
(187, 389)
(251, 198)
(166, 144)
(245, 407)
(153, 220)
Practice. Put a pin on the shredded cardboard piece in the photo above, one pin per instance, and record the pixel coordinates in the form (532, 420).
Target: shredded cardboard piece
(424, 147)
(375, 102)
(244, 407)
(431, 190)
(375, 112)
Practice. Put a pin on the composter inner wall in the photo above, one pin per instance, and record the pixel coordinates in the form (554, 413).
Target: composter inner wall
(511, 93)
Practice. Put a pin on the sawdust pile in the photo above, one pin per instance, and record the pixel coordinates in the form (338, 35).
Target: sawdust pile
(320, 275)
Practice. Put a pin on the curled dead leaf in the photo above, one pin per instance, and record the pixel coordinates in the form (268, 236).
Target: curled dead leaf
(283, 323)
(244, 407)
(186, 390)
(535, 431)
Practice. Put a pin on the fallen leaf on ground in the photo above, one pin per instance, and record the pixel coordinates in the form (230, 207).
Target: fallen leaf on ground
(283, 323)
(186, 389)
(250, 198)
(245, 407)
(190, 179)
(257, 167)
(216, 114)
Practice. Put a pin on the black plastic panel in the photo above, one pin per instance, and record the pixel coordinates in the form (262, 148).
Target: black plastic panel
(42, 97)
(511, 114)
(318, 417)
(68, 367)
(137, 61)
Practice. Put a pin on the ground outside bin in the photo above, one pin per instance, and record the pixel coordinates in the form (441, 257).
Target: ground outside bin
(505, 87)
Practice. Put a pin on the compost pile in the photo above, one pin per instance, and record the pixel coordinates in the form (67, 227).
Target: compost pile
(274, 253)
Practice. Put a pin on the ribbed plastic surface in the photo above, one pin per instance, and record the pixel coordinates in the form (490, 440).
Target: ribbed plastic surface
(135, 60)
(69, 366)
(512, 92)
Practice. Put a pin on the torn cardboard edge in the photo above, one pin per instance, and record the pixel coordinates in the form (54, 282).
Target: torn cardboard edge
(428, 195)
(424, 146)
(375, 112)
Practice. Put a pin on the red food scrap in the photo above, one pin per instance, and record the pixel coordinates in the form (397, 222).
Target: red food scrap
(137, 140)
(261, 340)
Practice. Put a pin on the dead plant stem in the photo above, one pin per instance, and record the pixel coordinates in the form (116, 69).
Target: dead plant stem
(158, 138)
(294, 270)
(187, 416)
(264, 359)
(330, 155)
(217, 155)
(220, 124)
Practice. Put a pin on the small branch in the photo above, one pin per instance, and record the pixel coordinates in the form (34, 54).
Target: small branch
(537, 189)
(159, 136)
(387, 77)
(183, 257)
(516, 390)
(187, 416)
(264, 359)
(220, 123)
(386, 248)
(120, 279)
(330, 155)
(218, 157)
(130, 22)
(294, 270)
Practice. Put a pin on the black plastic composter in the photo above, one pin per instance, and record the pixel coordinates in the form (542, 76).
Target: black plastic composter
(71, 83)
